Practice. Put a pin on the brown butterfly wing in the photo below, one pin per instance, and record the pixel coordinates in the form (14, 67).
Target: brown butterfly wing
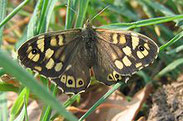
(126, 52)
(49, 54)
(76, 77)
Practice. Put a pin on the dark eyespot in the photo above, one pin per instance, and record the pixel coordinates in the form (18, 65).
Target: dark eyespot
(63, 77)
(70, 81)
(80, 82)
(34, 51)
(117, 75)
(110, 77)
(141, 48)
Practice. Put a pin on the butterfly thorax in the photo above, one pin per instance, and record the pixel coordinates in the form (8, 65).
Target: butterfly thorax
(89, 49)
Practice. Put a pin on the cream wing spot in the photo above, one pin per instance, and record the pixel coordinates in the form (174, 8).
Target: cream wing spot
(70, 82)
(30, 56)
(135, 40)
(62, 58)
(115, 38)
(118, 64)
(114, 56)
(39, 68)
(57, 53)
(145, 52)
(127, 50)
(146, 46)
(122, 39)
(140, 55)
(138, 65)
(29, 49)
(50, 64)
(126, 61)
(61, 40)
(40, 44)
(68, 67)
(58, 66)
(63, 78)
(36, 57)
(48, 53)
(53, 41)
(146, 65)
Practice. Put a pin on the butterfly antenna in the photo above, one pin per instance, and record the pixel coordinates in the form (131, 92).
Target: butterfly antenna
(99, 13)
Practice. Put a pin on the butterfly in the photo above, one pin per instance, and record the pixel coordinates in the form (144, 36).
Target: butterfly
(68, 57)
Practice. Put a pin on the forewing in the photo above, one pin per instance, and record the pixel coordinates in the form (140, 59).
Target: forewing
(49, 54)
(126, 51)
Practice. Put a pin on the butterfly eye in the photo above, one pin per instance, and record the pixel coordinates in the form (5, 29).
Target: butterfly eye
(34, 51)
(141, 48)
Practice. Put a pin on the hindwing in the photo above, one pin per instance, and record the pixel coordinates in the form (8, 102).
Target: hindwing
(76, 77)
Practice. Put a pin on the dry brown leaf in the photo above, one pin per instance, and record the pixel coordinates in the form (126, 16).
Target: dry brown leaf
(133, 107)
(116, 107)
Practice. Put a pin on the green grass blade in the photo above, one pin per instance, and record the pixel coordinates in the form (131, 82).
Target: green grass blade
(157, 6)
(71, 100)
(38, 19)
(2, 72)
(17, 106)
(3, 100)
(142, 23)
(46, 11)
(71, 7)
(145, 76)
(3, 107)
(14, 12)
(27, 80)
(176, 50)
(101, 100)
(83, 5)
(21, 115)
(170, 67)
(3, 4)
(32, 26)
(41, 24)
(50, 10)
(33, 23)
(45, 116)
(147, 10)
(122, 9)
(67, 103)
(173, 40)
(46, 113)
(161, 8)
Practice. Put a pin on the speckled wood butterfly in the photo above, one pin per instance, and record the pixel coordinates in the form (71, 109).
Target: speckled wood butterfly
(67, 57)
